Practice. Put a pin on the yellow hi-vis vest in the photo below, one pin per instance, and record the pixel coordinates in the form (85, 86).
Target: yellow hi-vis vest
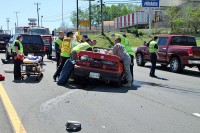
(81, 46)
(151, 46)
(125, 43)
(21, 50)
(59, 42)
(66, 47)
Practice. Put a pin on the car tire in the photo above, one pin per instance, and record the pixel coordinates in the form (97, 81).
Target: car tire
(175, 65)
(140, 59)
(7, 55)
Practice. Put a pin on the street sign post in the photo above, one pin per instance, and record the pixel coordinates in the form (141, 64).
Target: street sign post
(150, 3)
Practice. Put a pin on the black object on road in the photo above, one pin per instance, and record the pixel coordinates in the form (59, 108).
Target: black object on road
(4, 61)
(66, 71)
(73, 126)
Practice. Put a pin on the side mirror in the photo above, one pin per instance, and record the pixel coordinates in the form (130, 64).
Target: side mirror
(145, 43)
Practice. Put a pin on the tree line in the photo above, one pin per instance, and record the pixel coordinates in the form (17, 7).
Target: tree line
(109, 13)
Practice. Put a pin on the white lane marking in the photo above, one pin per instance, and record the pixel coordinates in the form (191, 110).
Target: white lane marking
(196, 114)
(50, 104)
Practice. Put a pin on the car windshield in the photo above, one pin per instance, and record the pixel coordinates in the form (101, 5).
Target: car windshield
(46, 40)
(39, 31)
(32, 39)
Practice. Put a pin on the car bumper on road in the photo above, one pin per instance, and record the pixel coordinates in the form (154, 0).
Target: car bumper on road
(97, 74)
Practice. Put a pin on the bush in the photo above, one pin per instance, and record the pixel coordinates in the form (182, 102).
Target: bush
(141, 33)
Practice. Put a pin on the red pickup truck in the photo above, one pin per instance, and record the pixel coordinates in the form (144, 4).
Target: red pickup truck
(177, 51)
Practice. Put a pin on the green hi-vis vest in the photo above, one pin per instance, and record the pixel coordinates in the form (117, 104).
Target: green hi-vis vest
(21, 50)
(125, 43)
(59, 42)
(81, 46)
(66, 47)
(151, 46)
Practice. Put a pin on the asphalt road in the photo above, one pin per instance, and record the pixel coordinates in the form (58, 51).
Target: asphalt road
(169, 103)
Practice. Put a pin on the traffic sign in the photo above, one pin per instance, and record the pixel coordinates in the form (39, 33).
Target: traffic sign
(150, 3)
(83, 22)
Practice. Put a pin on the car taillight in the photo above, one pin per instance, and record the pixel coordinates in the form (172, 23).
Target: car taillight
(190, 52)
(44, 48)
(110, 65)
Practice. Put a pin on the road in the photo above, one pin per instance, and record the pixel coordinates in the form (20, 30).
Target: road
(169, 103)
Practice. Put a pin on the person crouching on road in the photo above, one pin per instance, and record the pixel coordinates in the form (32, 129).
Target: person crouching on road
(120, 51)
(18, 53)
(86, 46)
(65, 53)
(58, 44)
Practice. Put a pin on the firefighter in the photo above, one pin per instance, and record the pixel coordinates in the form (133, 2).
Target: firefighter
(18, 53)
(153, 49)
(58, 43)
(120, 51)
(65, 52)
(82, 46)
(127, 46)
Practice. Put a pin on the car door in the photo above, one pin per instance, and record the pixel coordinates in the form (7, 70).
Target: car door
(162, 47)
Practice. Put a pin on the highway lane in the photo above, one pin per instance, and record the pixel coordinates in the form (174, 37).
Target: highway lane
(164, 104)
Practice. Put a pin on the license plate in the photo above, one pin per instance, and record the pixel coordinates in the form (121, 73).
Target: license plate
(94, 75)
(2, 42)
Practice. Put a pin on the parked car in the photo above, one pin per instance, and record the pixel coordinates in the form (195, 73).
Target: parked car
(4, 39)
(47, 39)
(33, 44)
(98, 66)
(177, 51)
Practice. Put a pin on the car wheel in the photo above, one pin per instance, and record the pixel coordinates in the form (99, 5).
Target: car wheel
(7, 55)
(140, 60)
(175, 65)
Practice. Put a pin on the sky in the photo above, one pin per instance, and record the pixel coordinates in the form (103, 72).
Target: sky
(51, 10)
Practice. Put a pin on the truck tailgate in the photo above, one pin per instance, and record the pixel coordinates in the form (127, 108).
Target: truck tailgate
(196, 52)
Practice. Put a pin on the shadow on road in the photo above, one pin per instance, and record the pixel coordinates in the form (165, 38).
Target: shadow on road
(184, 72)
(29, 80)
(177, 88)
(101, 86)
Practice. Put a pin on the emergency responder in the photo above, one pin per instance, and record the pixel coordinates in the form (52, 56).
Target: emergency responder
(18, 53)
(58, 44)
(153, 49)
(86, 46)
(65, 52)
(127, 46)
(120, 51)
(84, 37)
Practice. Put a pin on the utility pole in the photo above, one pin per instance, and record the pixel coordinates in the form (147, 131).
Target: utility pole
(62, 12)
(41, 20)
(90, 8)
(17, 17)
(8, 20)
(38, 12)
(77, 15)
(102, 27)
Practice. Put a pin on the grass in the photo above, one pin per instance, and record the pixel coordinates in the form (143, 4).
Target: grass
(107, 42)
